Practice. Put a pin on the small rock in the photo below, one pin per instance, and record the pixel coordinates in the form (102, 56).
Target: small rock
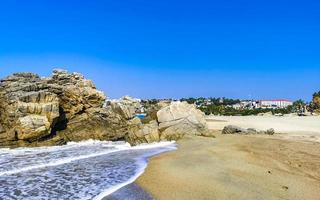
(270, 131)
(231, 129)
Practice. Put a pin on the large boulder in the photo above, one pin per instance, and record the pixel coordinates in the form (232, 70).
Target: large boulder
(65, 107)
(76, 94)
(96, 123)
(231, 129)
(127, 106)
(142, 133)
(151, 107)
(167, 121)
(28, 110)
(180, 118)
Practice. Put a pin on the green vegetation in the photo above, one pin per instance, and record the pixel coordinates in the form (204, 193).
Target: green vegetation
(223, 110)
(225, 106)
(212, 101)
(298, 106)
(315, 104)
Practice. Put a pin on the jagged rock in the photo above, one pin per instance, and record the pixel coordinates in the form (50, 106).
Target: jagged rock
(180, 118)
(142, 133)
(32, 127)
(126, 106)
(66, 107)
(76, 94)
(96, 123)
(251, 131)
(28, 111)
(270, 131)
(151, 109)
(2, 129)
(231, 129)
(54, 110)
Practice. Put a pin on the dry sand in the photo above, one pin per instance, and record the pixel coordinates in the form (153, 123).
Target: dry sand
(288, 124)
(290, 127)
(237, 167)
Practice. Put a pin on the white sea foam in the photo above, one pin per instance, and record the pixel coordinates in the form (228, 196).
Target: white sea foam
(142, 166)
(78, 170)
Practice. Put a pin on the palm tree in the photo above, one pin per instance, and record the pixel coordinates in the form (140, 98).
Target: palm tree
(299, 106)
(315, 104)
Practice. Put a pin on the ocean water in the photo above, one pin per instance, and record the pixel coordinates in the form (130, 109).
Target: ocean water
(141, 116)
(84, 170)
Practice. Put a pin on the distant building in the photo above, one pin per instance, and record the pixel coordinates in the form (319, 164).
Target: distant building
(246, 104)
(277, 103)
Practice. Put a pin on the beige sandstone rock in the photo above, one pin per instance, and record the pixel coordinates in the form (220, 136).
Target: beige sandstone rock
(142, 133)
(32, 127)
(180, 118)
(126, 106)
(66, 107)
(54, 110)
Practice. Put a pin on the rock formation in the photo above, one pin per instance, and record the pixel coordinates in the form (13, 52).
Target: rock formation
(54, 110)
(172, 121)
(66, 107)
(126, 106)
(180, 118)
(28, 110)
(142, 133)
(231, 129)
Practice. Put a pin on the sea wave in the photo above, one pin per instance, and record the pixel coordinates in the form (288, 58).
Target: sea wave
(79, 170)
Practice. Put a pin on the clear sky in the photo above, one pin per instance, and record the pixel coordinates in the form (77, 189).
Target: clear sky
(169, 48)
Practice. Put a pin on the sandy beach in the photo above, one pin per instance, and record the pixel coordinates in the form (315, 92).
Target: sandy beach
(291, 124)
(241, 167)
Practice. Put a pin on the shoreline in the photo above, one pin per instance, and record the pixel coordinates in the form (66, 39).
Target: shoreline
(282, 166)
(131, 191)
(235, 167)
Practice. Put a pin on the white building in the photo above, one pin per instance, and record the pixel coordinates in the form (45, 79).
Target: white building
(247, 104)
(277, 103)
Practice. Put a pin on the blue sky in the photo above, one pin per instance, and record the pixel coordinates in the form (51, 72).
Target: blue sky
(169, 48)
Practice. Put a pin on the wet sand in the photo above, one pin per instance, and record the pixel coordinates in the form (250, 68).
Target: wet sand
(236, 167)
(130, 192)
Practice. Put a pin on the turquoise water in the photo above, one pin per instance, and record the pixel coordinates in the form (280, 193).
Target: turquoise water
(141, 116)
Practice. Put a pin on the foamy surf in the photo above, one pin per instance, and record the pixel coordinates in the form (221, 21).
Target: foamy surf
(84, 170)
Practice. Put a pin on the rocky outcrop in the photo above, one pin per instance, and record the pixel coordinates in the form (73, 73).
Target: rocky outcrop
(142, 133)
(66, 107)
(172, 121)
(28, 110)
(179, 119)
(151, 108)
(47, 111)
(231, 129)
(127, 106)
